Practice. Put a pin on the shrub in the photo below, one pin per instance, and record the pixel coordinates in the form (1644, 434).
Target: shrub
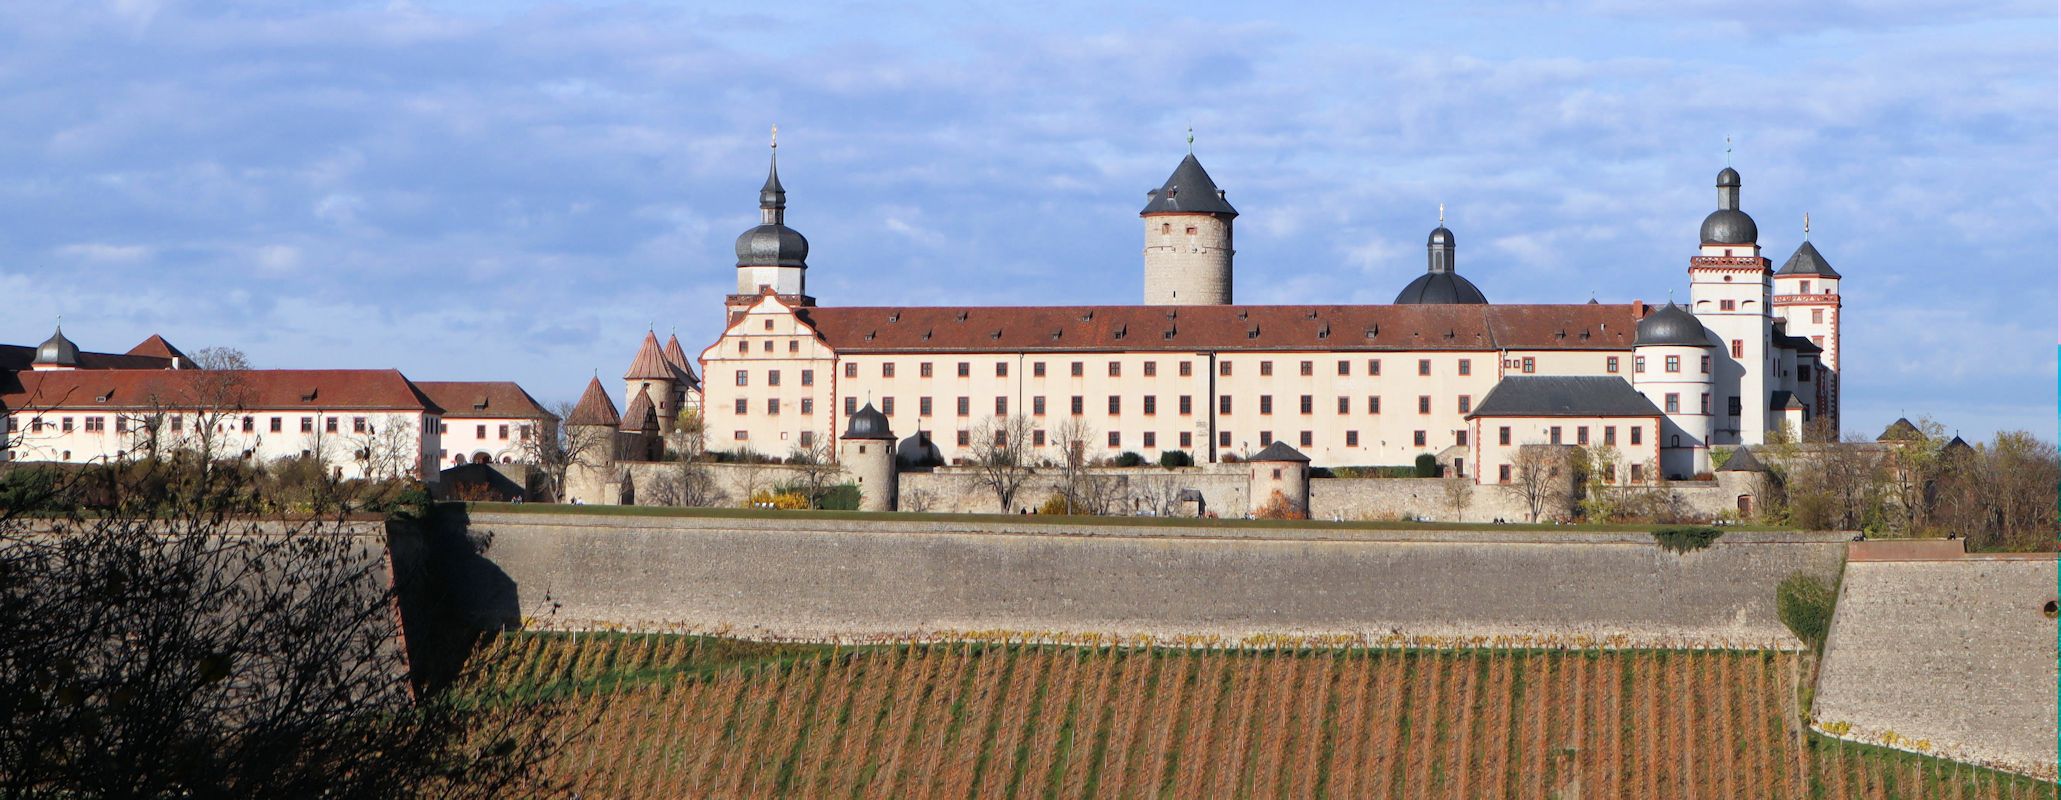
(1805, 604)
(784, 501)
(1056, 504)
(1176, 458)
(842, 497)
(1280, 507)
(1682, 539)
(1427, 465)
(1129, 459)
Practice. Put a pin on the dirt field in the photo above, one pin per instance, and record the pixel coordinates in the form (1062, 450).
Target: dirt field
(675, 716)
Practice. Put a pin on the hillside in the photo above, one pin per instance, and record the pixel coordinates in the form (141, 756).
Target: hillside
(671, 716)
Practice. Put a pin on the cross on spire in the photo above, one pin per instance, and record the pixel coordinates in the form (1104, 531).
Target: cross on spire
(1728, 150)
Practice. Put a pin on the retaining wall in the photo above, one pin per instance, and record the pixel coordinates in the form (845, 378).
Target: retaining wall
(801, 576)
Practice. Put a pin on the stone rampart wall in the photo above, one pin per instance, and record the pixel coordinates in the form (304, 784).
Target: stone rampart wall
(804, 576)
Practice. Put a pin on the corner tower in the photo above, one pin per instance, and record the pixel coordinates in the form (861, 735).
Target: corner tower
(1188, 239)
(1807, 298)
(772, 254)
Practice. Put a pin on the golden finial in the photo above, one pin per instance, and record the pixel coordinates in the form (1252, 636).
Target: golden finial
(776, 135)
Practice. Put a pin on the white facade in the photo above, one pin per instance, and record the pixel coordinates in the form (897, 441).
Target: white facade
(354, 443)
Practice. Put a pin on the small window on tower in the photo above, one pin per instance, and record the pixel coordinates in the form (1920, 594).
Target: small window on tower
(1166, 228)
(1191, 230)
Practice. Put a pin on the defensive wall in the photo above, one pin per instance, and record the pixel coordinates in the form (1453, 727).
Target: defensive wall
(1941, 652)
(844, 577)
(1224, 489)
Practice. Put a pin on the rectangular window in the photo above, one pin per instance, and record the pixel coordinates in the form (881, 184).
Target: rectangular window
(923, 407)
(357, 424)
(1037, 369)
(1345, 405)
(1674, 403)
(1639, 364)
(1187, 440)
(1151, 369)
(851, 405)
(742, 406)
(1610, 365)
(1418, 437)
(1467, 366)
(1424, 366)
(740, 435)
(1187, 368)
(1187, 405)
(1581, 435)
(1466, 403)
(1079, 407)
(479, 431)
(1638, 472)
(1001, 369)
(1266, 438)
(1373, 404)
(1817, 314)
(1079, 369)
(99, 424)
(965, 406)
(328, 424)
(1460, 437)
(1503, 473)
(1223, 438)
(1038, 405)
(1674, 364)
(1308, 439)
(1423, 404)
(1503, 435)
(1352, 438)
(1116, 369)
(808, 439)
(743, 378)
(1610, 435)
(744, 348)
(1706, 403)
(1115, 439)
(1553, 434)
(307, 424)
(773, 406)
(1151, 405)
(851, 369)
(1266, 404)
(772, 377)
(1706, 365)
(965, 369)
(1309, 368)
(277, 425)
(1374, 367)
(1038, 438)
(1530, 365)
(965, 438)
(793, 346)
(887, 406)
(887, 369)
(1732, 406)
(1638, 433)
(1805, 288)
(808, 377)
(924, 370)
(1308, 404)
(1224, 368)
(808, 405)
(1224, 404)
(1001, 406)
(1116, 405)
(1803, 373)
(1266, 368)
(502, 433)
(1728, 305)
(1738, 348)
(1345, 367)
(1151, 440)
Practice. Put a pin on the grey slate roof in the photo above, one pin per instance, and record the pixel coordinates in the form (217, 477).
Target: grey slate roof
(1188, 191)
(1279, 451)
(1672, 325)
(1807, 261)
(1797, 343)
(1782, 399)
(1730, 226)
(918, 453)
(1564, 396)
(1440, 288)
(869, 423)
(58, 350)
(1743, 460)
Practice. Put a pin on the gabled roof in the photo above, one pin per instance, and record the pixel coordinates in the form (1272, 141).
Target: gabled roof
(594, 407)
(1279, 451)
(256, 389)
(676, 356)
(642, 415)
(483, 399)
(1564, 396)
(1188, 191)
(1743, 460)
(1783, 399)
(1807, 261)
(1189, 329)
(1901, 431)
(650, 362)
(1797, 343)
(157, 347)
(19, 357)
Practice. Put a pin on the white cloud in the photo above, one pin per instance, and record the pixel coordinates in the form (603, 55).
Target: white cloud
(103, 253)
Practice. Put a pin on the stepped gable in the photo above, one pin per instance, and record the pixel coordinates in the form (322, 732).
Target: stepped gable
(269, 389)
(157, 347)
(676, 357)
(1564, 396)
(642, 415)
(650, 363)
(1329, 328)
(482, 399)
(594, 407)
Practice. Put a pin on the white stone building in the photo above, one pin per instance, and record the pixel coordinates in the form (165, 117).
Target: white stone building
(487, 422)
(1186, 370)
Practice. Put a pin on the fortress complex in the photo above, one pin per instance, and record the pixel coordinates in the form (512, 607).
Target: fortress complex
(1441, 370)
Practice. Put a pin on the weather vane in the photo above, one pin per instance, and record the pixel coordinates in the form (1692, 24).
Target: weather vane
(1441, 215)
(1191, 140)
(1728, 150)
(776, 135)
(1806, 225)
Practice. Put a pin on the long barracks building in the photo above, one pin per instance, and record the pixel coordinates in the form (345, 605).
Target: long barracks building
(1755, 349)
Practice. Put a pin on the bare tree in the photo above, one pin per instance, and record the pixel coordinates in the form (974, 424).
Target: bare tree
(221, 358)
(1911, 469)
(1596, 471)
(387, 449)
(817, 468)
(553, 450)
(1083, 490)
(1001, 456)
(1458, 493)
(917, 500)
(1535, 478)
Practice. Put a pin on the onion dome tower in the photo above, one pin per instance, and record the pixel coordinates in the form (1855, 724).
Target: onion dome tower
(867, 451)
(773, 255)
(1671, 366)
(1440, 284)
(1188, 238)
(56, 353)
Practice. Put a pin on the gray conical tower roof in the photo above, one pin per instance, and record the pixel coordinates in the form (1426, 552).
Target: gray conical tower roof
(1743, 460)
(1808, 261)
(1188, 191)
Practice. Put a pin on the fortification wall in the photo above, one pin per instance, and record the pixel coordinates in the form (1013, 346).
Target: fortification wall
(804, 576)
(1950, 656)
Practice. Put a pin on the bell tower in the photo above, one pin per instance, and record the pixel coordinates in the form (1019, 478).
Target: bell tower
(772, 255)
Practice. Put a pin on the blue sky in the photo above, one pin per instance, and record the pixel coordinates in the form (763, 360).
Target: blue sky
(506, 190)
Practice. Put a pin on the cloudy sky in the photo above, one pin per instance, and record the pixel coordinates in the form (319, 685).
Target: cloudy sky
(495, 189)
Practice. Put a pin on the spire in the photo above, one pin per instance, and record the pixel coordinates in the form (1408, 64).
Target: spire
(1189, 190)
(1806, 226)
(1728, 150)
(650, 362)
(676, 357)
(772, 196)
(594, 408)
(1191, 140)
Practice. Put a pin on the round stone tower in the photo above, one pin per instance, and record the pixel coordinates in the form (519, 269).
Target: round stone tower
(1188, 240)
(867, 451)
(1280, 469)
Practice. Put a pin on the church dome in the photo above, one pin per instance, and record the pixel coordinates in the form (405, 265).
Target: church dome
(1672, 325)
(868, 423)
(1440, 288)
(57, 351)
(1729, 226)
(772, 245)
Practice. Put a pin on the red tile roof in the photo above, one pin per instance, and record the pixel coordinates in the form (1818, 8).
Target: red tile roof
(1587, 326)
(20, 357)
(157, 347)
(677, 357)
(258, 389)
(641, 415)
(482, 399)
(650, 362)
(594, 408)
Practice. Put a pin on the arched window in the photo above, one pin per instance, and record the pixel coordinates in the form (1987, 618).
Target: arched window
(1674, 440)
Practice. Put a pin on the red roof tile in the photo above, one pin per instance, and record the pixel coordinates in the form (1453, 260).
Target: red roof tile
(677, 357)
(1587, 326)
(482, 399)
(312, 389)
(650, 362)
(157, 347)
(594, 408)
(641, 415)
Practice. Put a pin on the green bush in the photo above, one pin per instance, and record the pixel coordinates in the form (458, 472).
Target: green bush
(1427, 465)
(1805, 605)
(1176, 458)
(1129, 459)
(1682, 539)
(842, 497)
(29, 489)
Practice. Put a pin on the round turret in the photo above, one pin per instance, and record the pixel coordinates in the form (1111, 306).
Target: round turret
(57, 352)
(868, 454)
(1671, 325)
